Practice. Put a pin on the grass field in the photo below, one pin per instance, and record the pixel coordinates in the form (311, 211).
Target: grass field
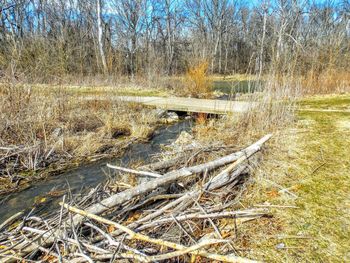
(309, 168)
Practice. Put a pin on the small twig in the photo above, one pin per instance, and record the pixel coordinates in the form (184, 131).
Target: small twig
(210, 220)
(18, 258)
(84, 256)
(41, 248)
(278, 206)
(237, 214)
(236, 227)
(183, 229)
(113, 242)
(178, 253)
(48, 234)
(76, 237)
(61, 212)
(317, 168)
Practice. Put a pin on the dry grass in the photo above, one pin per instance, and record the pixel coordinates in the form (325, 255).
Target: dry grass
(274, 110)
(126, 89)
(41, 127)
(234, 77)
(306, 166)
(327, 82)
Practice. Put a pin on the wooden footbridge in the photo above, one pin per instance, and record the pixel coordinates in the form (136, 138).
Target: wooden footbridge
(191, 104)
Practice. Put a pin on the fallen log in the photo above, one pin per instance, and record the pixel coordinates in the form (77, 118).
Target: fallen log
(168, 178)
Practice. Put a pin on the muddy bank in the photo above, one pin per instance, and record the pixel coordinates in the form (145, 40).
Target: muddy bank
(43, 195)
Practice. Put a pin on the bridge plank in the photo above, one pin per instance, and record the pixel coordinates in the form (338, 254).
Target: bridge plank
(191, 104)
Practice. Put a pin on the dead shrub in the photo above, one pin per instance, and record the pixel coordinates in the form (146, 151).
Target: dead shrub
(97, 104)
(201, 118)
(330, 80)
(197, 83)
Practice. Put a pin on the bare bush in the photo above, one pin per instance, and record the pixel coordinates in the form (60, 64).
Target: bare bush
(197, 83)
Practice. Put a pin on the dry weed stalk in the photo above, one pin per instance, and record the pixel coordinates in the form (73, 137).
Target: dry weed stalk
(42, 127)
(274, 107)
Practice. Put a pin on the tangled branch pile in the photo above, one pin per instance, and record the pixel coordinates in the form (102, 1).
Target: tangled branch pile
(174, 215)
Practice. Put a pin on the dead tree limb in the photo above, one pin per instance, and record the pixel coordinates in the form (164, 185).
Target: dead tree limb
(168, 178)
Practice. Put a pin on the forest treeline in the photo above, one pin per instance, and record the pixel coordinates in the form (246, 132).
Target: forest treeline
(41, 39)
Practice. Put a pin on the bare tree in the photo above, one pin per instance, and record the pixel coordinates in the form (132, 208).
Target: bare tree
(41, 39)
(100, 35)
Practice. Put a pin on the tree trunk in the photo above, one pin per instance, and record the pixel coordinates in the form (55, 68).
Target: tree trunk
(261, 57)
(99, 36)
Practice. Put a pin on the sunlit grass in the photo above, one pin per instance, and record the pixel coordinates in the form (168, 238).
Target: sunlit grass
(337, 102)
(311, 162)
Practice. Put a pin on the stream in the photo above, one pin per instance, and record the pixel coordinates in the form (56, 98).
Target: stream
(87, 176)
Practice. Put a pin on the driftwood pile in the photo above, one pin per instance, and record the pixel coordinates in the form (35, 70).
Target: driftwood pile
(170, 217)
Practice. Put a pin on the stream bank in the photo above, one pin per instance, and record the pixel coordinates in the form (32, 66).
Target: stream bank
(44, 194)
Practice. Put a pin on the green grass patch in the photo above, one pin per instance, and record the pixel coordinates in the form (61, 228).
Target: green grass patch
(312, 162)
(338, 102)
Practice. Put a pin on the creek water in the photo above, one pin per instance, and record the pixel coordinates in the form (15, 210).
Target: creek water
(230, 88)
(87, 176)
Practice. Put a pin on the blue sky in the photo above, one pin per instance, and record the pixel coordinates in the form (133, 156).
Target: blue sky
(318, 2)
